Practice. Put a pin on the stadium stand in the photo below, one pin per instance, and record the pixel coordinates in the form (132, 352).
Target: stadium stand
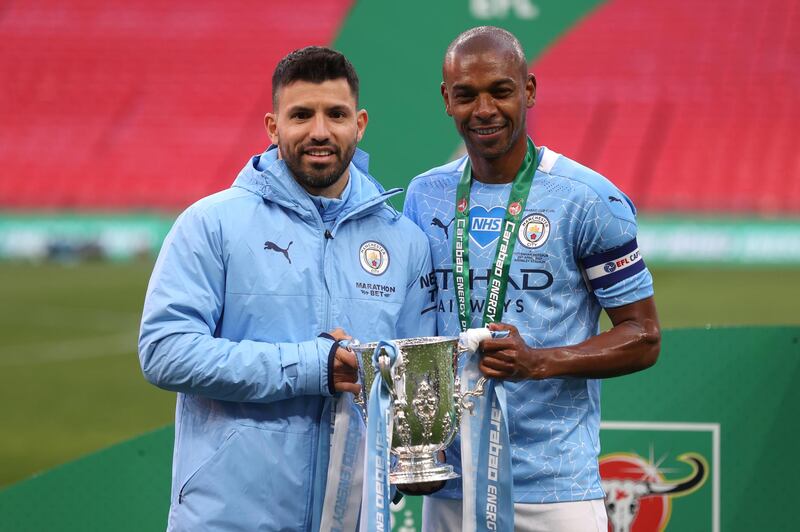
(105, 105)
(688, 106)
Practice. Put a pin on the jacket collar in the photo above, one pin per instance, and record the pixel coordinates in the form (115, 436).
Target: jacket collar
(277, 184)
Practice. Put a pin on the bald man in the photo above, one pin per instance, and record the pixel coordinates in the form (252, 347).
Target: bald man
(533, 243)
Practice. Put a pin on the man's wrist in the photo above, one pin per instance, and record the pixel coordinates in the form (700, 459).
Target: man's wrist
(545, 363)
(554, 363)
(331, 357)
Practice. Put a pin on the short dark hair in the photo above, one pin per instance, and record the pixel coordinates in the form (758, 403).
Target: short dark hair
(484, 37)
(314, 64)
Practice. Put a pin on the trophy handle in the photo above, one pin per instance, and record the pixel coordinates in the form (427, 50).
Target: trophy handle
(386, 370)
(393, 373)
(358, 398)
(466, 400)
(361, 404)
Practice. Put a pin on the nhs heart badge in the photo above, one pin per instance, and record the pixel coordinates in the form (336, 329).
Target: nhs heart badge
(484, 225)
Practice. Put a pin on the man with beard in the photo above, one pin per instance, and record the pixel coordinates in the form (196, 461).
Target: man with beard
(245, 287)
(538, 246)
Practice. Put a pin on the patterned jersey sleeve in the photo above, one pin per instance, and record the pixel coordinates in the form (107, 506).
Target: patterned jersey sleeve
(410, 208)
(609, 254)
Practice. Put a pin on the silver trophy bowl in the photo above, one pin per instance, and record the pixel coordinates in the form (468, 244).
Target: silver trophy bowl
(426, 403)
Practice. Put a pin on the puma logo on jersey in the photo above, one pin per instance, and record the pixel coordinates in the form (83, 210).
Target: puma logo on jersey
(272, 246)
(612, 199)
(438, 223)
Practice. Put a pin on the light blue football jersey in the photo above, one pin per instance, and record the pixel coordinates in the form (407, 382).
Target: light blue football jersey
(575, 254)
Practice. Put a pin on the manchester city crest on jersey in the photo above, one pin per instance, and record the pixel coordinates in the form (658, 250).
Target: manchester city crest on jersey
(534, 230)
(373, 257)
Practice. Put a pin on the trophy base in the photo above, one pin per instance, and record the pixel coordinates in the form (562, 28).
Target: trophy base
(412, 469)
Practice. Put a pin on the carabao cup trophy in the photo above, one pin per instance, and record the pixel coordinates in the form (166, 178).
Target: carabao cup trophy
(426, 402)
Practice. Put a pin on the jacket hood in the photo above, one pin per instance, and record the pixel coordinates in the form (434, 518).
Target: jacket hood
(277, 184)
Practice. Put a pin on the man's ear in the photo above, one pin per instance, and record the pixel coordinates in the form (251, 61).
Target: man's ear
(271, 123)
(361, 122)
(530, 91)
(446, 97)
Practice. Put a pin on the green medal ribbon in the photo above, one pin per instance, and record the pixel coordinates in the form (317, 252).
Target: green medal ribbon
(498, 275)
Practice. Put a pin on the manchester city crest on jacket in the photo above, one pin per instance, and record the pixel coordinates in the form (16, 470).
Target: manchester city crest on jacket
(373, 257)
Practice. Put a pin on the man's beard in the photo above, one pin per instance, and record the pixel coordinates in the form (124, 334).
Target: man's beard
(319, 178)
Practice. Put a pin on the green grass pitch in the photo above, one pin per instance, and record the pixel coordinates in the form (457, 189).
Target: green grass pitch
(69, 376)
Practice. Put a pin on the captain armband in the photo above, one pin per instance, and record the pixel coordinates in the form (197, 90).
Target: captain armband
(610, 267)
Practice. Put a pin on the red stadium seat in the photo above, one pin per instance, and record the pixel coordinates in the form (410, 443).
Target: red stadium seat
(687, 106)
(113, 105)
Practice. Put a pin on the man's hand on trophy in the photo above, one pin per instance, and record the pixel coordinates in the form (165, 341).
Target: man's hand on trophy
(510, 358)
(338, 334)
(345, 365)
(345, 371)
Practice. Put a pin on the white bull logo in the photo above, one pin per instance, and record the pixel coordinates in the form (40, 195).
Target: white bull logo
(623, 495)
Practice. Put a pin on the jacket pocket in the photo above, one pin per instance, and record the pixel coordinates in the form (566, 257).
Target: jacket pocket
(256, 480)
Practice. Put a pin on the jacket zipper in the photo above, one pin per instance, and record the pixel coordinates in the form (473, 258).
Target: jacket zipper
(367, 207)
(326, 307)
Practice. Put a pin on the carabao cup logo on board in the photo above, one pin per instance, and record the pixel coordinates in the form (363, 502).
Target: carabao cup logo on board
(373, 257)
(638, 496)
(534, 230)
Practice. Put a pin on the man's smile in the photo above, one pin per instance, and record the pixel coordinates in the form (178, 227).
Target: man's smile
(487, 131)
(319, 154)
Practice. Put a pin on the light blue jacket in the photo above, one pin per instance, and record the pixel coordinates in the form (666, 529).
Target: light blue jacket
(245, 282)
